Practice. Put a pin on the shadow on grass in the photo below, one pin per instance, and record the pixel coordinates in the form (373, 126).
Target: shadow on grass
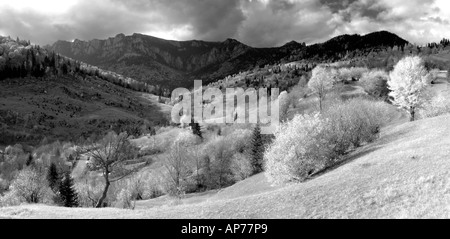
(348, 159)
(362, 151)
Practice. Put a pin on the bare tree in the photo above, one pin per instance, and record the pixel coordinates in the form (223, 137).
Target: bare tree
(321, 82)
(177, 164)
(198, 161)
(110, 156)
(31, 185)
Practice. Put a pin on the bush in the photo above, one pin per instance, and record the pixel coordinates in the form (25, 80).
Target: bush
(353, 123)
(310, 143)
(375, 83)
(298, 151)
(437, 106)
(30, 186)
(241, 167)
(125, 199)
(351, 74)
(89, 191)
(225, 158)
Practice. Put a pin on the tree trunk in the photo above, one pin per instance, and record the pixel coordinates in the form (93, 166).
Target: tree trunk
(320, 104)
(105, 192)
(412, 112)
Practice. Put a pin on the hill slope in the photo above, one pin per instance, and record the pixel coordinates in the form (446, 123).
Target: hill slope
(43, 95)
(68, 107)
(404, 174)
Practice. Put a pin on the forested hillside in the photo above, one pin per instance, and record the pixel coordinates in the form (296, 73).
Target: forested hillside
(45, 95)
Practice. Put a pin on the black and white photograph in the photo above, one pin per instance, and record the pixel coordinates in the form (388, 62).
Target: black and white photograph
(224, 109)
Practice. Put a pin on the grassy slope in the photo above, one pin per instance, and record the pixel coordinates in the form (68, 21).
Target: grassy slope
(404, 174)
(70, 106)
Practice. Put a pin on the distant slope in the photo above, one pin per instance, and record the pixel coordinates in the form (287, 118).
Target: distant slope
(44, 95)
(68, 107)
(405, 174)
(177, 63)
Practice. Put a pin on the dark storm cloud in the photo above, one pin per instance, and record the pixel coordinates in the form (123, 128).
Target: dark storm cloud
(273, 23)
(255, 22)
(207, 19)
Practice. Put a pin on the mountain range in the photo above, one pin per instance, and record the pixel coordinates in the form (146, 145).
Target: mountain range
(171, 64)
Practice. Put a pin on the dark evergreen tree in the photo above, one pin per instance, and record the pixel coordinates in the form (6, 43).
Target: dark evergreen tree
(68, 194)
(196, 129)
(53, 177)
(257, 150)
(29, 160)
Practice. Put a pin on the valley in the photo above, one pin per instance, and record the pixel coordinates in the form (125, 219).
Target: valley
(95, 115)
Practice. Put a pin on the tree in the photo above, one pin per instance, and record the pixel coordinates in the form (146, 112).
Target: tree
(179, 162)
(30, 185)
(198, 160)
(257, 150)
(448, 74)
(30, 160)
(68, 194)
(321, 82)
(196, 129)
(109, 156)
(53, 177)
(407, 83)
(178, 169)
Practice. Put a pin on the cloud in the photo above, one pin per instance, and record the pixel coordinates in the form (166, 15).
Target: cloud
(262, 23)
(275, 22)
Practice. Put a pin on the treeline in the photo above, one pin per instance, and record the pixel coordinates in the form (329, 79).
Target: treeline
(442, 44)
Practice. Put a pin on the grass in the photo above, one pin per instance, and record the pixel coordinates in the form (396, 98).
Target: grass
(405, 174)
(68, 107)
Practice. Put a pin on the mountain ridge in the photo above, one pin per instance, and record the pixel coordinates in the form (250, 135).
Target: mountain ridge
(177, 63)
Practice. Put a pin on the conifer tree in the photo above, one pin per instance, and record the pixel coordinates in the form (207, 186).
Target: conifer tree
(53, 177)
(68, 194)
(196, 129)
(29, 160)
(257, 150)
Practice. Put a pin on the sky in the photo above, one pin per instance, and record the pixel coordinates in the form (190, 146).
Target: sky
(258, 23)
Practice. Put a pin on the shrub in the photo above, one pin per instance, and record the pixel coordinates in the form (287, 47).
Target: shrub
(90, 191)
(439, 105)
(310, 143)
(241, 167)
(351, 74)
(353, 123)
(31, 186)
(375, 83)
(298, 149)
(124, 199)
(9, 200)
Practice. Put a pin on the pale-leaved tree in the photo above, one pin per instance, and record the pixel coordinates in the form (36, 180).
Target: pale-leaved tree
(321, 82)
(407, 83)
